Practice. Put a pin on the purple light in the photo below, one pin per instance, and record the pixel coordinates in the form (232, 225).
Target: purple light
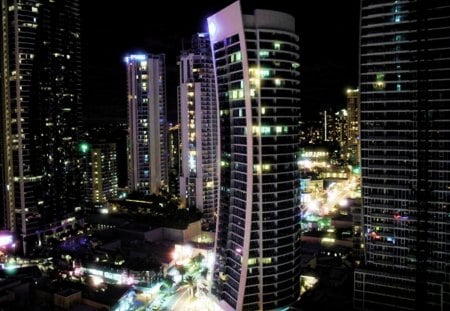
(6, 240)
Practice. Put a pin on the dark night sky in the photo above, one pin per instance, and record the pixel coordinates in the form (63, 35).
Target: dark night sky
(328, 33)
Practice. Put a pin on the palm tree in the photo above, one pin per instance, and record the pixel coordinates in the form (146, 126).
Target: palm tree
(190, 283)
(182, 271)
(166, 286)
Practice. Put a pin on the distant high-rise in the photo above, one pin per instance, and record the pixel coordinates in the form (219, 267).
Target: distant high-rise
(174, 159)
(199, 175)
(147, 123)
(258, 232)
(352, 141)
(41, 105)
(405, 154)
(100, 164)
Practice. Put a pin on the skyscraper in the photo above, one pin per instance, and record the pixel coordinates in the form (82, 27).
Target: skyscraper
(199, 176)
(405, 153)
(352, 140)
(100, 172)
(174, 159)
(147, 123)
(256, 63)
(41, 105)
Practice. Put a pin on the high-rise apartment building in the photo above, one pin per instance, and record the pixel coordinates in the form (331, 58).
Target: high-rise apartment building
(147, 123)
(257, 72)
(198, 115)
(100, 172)
(41, 105)
(174, 159)
(352, 140)
(405, 154)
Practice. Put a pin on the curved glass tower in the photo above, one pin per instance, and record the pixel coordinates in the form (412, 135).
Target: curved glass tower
(256, 63)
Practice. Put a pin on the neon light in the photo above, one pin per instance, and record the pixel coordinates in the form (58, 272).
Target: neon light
(6, 240)
(132, 57)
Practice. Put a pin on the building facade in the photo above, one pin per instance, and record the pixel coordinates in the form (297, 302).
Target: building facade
(174, 159)
(100, 174)
(199, 175)
(147, 123)
(405, 153)
(258, 231)
(41, 105)
(352, 147)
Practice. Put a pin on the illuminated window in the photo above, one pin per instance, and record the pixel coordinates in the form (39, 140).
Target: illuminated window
(252, 261)
(379, 82)
(267, 260)
(265, 130)
(263, 110)
(264, 73)
(277, 46)
(277, 82)
(236, 57)
(252, 93)
(263, 54)
(236, 94)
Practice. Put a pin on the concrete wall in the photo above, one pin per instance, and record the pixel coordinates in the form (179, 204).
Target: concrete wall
(183, 236)
(176, 235)
(66, 302)
(96, 305)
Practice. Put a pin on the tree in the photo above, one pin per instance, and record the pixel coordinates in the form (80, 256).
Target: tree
(190, 283)
(182, 271)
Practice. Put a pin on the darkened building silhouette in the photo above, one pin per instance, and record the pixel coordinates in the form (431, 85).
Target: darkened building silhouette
(174, 159)
(41, 99)
(352, 144)
(405, 154)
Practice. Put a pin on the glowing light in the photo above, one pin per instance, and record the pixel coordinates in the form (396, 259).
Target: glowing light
(182, 253)
(84, 147)
(328, 240)
(212, 28)
(132, 57)
(375, 235)
(6, 240)
(96, 280)
(343, 203)
(390, 239)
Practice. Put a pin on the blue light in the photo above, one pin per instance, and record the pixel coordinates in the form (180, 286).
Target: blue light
(390, 239)
(132, 57)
